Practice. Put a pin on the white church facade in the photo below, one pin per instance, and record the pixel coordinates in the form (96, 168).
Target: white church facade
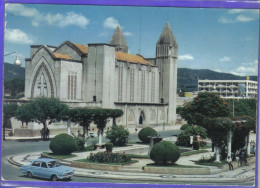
(107, 76)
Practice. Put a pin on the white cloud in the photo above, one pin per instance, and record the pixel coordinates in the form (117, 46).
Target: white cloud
(244, 71)
(247, 69)
(21, 10)
(218, 70)
(225, 20)
(38, 18)
(110, 23)
(17, 36)
(224, 59)
(128, 33)
(186, 57)
(70, 18)
(236, 11)
(243, 18)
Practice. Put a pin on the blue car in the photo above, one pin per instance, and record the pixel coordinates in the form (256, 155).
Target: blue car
(47, 168)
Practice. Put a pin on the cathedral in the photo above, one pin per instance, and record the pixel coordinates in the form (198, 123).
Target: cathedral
(105, 75)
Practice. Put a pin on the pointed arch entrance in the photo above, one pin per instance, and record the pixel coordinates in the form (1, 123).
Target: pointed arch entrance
(141, 118)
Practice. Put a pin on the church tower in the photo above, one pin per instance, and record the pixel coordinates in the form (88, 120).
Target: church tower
(118, 40)
(166, 60)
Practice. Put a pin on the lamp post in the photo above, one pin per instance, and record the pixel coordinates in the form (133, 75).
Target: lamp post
(17, 61)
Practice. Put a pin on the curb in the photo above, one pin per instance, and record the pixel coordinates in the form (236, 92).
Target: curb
(160, 178)
(10, 160)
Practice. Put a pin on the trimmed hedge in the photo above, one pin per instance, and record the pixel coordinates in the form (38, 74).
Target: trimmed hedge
(145, 132)
(196, 145)
(109, 146)
(185, 126)
(165, 152)
(63, 144)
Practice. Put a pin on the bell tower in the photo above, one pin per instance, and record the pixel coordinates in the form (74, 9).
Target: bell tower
(118, 40)
(166, 60)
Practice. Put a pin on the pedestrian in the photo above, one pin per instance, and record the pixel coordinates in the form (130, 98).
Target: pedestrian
(47, 133)
(229, 160)
(42, 132)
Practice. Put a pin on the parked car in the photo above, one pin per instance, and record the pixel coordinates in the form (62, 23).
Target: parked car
(47, 168)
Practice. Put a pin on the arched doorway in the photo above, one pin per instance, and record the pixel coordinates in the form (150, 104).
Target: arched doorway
(141, 118)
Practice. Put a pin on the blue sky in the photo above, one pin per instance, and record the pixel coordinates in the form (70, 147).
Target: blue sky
(224, 40)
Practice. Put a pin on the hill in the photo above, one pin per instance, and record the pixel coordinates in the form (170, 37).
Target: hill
(13, 71)
(187, 78)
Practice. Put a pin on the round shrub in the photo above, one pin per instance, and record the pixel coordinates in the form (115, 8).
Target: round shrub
(109, 146)
(63, 144)
(145, 132)
(165, 152)
(80, 143)
(185, 126)
(196, 145)
(118, 135)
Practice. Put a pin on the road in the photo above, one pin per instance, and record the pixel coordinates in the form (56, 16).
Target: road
(11, 172)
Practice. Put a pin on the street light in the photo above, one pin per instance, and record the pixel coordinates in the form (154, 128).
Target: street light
(17, 61)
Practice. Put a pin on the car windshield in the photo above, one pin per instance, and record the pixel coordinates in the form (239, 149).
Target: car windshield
(53, 164)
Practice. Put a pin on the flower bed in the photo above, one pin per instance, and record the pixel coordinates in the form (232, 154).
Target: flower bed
(109, 157)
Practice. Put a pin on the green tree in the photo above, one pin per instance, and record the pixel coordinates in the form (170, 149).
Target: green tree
(14, 86)
(209, 111)
(9, 111)
(243, 107)
(100, 118)
(24, 113)
(43, 110)
(83, 116)
(115, 113)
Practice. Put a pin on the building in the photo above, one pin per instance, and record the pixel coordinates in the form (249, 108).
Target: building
(107, 76)
(229, 88)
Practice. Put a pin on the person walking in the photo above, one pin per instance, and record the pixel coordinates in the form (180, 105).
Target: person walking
(229, 160)
(47, 133)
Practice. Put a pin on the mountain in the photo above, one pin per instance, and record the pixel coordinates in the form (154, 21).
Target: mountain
(187, 78)
(13, 71)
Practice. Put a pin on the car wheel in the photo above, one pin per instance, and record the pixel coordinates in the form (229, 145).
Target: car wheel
(54, 178)
(29, 174)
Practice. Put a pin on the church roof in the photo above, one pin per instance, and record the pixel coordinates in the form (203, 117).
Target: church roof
(121, 56)
(62, 56)
(82, 48)
(167, 36)
(118, 38)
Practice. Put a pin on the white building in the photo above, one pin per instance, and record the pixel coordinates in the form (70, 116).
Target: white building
(107, 76)
(229, 88)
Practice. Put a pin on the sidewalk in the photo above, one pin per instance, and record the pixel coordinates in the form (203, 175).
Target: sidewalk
(131, 129)
(242, 174)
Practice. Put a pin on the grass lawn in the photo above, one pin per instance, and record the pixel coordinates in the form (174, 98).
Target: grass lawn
(58, 156)
(88, 161)
(138, 156)
(172, 166)
(193, 152)
(211, 163)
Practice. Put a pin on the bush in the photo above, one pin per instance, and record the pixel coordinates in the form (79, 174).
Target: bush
(196, 145)
(184, 137)
(63, 144)
(165, 152)
(145, 132)
(89, 148)
(118, 135)
(109, 147)
(80, 144)
(185, 126)
(109, 157)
